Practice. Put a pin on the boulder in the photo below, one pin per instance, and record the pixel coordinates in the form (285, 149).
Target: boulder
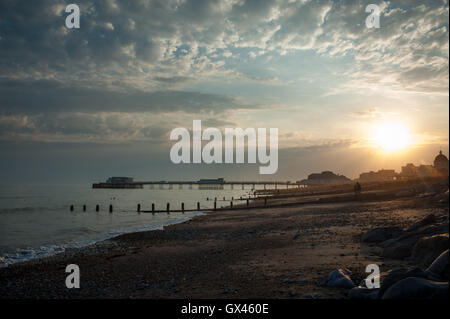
(427, 249)
(400, 248)
(396, 275)
(439, 269)
(381, 234)
(363, 293)
(337, 278)
(417, 288)
(426, 221)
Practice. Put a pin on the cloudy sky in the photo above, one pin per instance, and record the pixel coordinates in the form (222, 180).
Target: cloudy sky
(79, 105)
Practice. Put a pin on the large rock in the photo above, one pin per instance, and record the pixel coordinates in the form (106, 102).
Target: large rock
(427, 249)
(417, 288)
(337, 278)
(381, 234)
(400, 248)
(363, 293)
(396, 275)
(426, 221)
(439, 269)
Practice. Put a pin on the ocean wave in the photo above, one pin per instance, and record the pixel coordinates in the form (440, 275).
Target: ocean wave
(26, 254)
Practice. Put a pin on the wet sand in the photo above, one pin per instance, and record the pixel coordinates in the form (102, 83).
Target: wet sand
(259, 253)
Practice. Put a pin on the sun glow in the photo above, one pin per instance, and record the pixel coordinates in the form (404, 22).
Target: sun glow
(392, 137)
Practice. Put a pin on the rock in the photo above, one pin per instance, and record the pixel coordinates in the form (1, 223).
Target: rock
(363, 293)
(386, 243)
(426, 221)
(417, 288)
(427, 249)
(338, 278)
(400, 248)
(439, 269)
(382, 234)
(396, 275)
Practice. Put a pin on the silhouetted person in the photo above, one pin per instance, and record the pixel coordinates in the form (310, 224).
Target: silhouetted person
(357, 189)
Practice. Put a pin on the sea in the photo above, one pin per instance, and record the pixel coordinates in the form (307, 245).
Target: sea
(36, 220)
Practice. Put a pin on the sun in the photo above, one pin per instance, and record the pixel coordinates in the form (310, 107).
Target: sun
(392, 137)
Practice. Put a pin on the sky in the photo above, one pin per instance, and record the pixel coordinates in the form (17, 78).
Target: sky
(80, 105)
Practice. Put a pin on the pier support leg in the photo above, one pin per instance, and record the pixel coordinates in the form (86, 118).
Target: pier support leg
(110, 208)
(139, 208)
(97, 208)
(182, 208)
(198, 206)
(168, 208)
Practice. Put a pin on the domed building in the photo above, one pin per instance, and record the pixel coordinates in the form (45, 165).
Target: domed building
(441, 163)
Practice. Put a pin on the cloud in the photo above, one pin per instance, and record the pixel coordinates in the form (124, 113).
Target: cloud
(41, 96)
(132, 60)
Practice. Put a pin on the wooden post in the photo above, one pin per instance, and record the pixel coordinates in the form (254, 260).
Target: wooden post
(198, 205)
(168, 208)
(71, 208)
(110, 208)
(215, 205)
(248, 202)
(97, 207)
(139, 208)
(224, 198)
(153, 208)
(84, 208)
(231, 205)
(182, 208)
(265, 201)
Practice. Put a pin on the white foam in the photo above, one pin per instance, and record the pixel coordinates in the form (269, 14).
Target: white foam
(22, 255)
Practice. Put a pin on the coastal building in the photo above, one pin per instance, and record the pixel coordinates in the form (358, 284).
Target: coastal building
(439, 168)
(325, 178)
(383, 175)
(409, 170)
(441, 163)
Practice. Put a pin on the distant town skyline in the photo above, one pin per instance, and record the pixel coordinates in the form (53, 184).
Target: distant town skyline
(80, 105)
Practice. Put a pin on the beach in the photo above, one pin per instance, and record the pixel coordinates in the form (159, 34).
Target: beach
(279, 252)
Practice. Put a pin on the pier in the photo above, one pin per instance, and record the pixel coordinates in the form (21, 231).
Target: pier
(201, 184)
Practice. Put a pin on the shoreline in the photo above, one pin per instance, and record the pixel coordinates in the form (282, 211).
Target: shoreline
(258, 253)
(50, 250)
